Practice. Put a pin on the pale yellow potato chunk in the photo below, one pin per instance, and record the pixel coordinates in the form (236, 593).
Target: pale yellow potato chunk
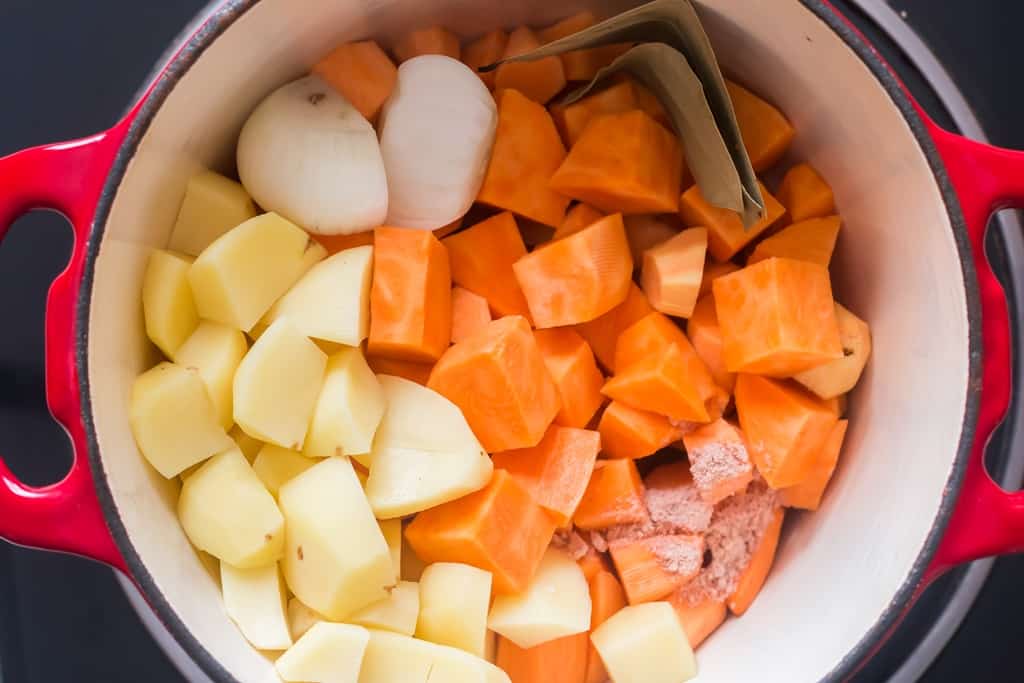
(277, 384)
(394, 658)
(645, 644)
(226, 511)
(173, 419)
(454, 599)
(327, 653)
(841, 375)
(168, 307)
(348, 410)
(212, 205)
(255, 601)
(392, 530)
(276, 466)
(301, 618)
(336, 559)
(396, 613)
(215, 350)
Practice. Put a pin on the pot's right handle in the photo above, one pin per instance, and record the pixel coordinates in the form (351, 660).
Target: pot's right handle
(987, 520)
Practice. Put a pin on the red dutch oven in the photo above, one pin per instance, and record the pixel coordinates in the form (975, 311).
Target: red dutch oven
(912, 497)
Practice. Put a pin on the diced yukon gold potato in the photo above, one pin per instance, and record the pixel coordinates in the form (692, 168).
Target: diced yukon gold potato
(840, 376)
(249, 446)
(348, 410)
(396, 613)
(277, 384)
(276, 466)
(301, 618)
(255, 601)
(215, 350)
(454, 599)
(332, 300)
(240, 276)
(424, 452)
(212, 205)
(392, 530)
(336, 559)
(645, 644)
(226, 511)
(167, 304)
(327, 653)
(394, 658)
(173, 419)
(557, 604)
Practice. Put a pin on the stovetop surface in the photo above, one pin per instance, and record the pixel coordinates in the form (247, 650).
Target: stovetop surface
(68, 69)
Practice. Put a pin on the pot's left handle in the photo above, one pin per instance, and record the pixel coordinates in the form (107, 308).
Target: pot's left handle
(67, 178)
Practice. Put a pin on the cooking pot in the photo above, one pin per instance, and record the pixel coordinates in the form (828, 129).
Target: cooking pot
(911, 497)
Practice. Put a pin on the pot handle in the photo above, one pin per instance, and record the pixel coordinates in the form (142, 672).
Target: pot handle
(987, 520)
(66, 516)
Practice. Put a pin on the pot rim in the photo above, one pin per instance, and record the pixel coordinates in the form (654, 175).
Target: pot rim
(221, 15)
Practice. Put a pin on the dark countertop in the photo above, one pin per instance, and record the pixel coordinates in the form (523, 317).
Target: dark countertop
(69, 69)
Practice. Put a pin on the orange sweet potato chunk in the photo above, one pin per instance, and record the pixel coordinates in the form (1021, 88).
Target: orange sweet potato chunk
(427, 41)
(481, 260)
(335, 243)
(571, 364)
(785, 426)
(470, 314)
(622, 96)
(805, 194)
(527, 151)
(712, 271)
(540, 79)
(615, 495)
(410, 299)
(652, 568)
(726, 234)
(603, 333)
(753, 577)
(699, 621)
(581, 65)
(487, 49)
(362, 72)
(606, 598)
(777, 318)
(414, 372)
(719, 462)
(563, 660)
(578, 217)
(807, 494)
(706, 336)
(659, 383)
(672, 272)
(627, 163)
(593, 563)
(499, 529)
(646, 231)
(499, 381)
(766, 132)
(812, 240)
(630, 433)
(578, 278)
(557, 470)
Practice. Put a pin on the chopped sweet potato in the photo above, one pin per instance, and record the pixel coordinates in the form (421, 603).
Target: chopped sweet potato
(563, 660)
(470, 314)
(499, 529)
(712, 271)
(410, 299)
(593, 562)
(581, 65)
(719, 462)
(752, 579)
(726, 234)
(672, 272)
(499, 381)
(619, 97)
(811, 240)
(630, 433)
(579, 278)
(335, 243)
(659, 383)
(805, 194)
(766, 132)
(606, 598)
(579, 217)
(362, 72)
(487, 49)
(414, 372)
(540, 79)
(627, 163)
(603, 333)
(557, 470)
(706, 336)
(615, 495)
(700, 620)
(481, 260)
(807, 494)
(673, 475)
(571, 364)
(785, 427)
(645, 231)
(652, 568)
(777, 318)
(427, 41)
(527, 151)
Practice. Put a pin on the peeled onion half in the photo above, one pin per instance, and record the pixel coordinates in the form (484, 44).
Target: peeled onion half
(436, 135)
(309, 155)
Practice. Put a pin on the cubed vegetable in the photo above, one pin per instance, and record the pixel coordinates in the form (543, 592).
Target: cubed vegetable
(540, 79)
(805, 194)
(726, 232)
(614, 496)
(766, 132)
(348, 409)
(362, 72)
(808, 493)
(810, 240)
(673, 270)
(167, 303)
(255, 601)
(571, 364)
(212, 205)
(839, 376)
(454, 601)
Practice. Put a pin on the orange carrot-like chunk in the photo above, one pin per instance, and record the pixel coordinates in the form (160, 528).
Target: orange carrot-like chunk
(812, 240)
(630, 433)
(481, 261)
(659, 383)
(712, 271)
(414, 372)
(603, 332)
(606, 598)
(487, 49)
(578, 278)
(499, 381)
(785, 427)
(777, 318)
(615, 495)
(427, 41)
(706, 336)
(699, 621)
(527, 151)
(335, 243)
(766, 132)
(499, 528)
(540, 80)
(410, 299)
(805, 194)
(672, 272)
(726, 234)
(752, 579)
(578, 217)
(581, 65)
(362, 72)
(557, 470)
(563, 660)
(646, 231)
(719, 462)
(807, 494)
(470, 314)
(619, 97)
(626, 163)
(571, 364)
(593, 563)
(651, 568)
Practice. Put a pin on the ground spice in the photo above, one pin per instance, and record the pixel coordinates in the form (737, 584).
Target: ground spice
(718, 462)
(682, 555)
(571, 542)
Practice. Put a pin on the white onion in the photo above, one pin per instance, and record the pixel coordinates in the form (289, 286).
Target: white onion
(436, 135)
(307, 154)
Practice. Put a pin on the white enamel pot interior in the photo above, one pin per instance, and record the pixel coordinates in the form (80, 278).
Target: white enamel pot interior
(844, 572)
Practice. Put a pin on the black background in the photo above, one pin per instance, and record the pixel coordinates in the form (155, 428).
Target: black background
(68, 69)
